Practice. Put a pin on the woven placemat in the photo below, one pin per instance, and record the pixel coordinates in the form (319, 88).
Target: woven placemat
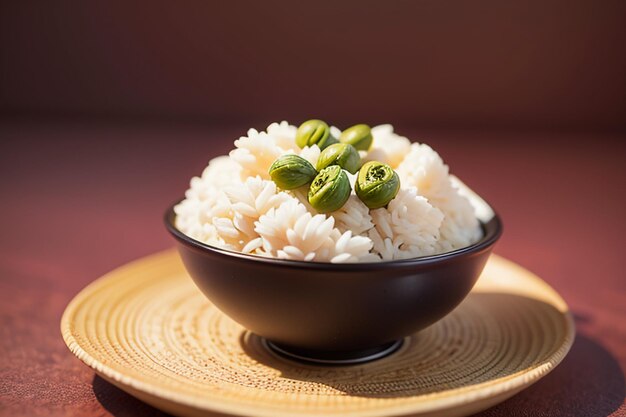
(147, 329)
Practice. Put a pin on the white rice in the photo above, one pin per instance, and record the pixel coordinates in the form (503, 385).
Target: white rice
(235, 205)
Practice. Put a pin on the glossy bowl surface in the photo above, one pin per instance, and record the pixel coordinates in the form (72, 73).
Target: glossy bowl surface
(334, 311)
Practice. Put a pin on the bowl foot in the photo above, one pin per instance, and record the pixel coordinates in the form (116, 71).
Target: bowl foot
(319, 357)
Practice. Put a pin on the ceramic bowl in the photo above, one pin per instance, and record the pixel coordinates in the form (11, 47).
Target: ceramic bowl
(335, 313)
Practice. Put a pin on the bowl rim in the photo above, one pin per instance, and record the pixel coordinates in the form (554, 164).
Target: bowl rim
(492, 230)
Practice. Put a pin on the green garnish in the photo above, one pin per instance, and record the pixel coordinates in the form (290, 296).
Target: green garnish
(342, 154)
(377, 184)
(314, 132)
(292, 171)
(359, 136)
(329, 190)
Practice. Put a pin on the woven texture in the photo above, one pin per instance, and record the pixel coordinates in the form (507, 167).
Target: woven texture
(146, 328)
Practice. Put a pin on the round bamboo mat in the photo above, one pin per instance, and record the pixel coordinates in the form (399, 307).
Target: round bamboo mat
(147, 329)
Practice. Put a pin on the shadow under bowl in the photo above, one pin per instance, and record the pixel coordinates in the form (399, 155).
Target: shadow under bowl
(334, 313)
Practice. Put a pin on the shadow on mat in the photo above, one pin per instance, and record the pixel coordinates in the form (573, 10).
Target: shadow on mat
(588, 382)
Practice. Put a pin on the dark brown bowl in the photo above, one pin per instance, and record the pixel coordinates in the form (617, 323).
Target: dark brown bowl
(334, 312)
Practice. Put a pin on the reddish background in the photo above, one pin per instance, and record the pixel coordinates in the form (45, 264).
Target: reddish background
(109, 108)
(479, 63)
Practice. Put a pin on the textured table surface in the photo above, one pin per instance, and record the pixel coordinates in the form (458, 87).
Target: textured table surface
(79, 200)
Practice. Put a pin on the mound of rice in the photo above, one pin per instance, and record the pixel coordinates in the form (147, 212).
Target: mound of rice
(234, 205)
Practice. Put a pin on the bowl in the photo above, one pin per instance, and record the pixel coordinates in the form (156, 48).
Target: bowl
(335, 313)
